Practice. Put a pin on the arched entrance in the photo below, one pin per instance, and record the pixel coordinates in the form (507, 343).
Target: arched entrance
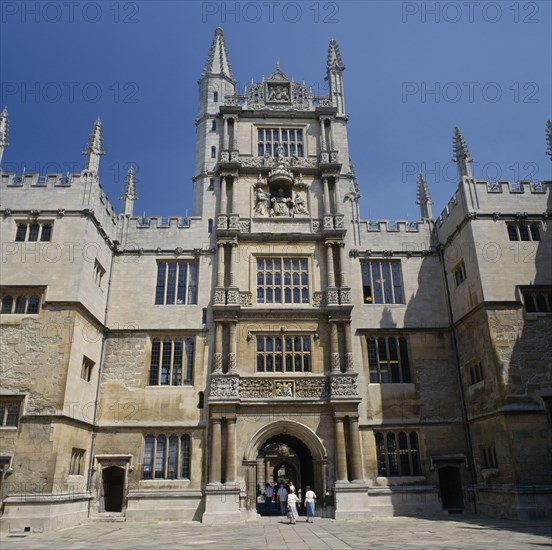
(285, 452)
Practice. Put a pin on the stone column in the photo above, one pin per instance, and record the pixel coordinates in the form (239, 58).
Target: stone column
(230, 206)
(268, 471)
(340, 452)
(220, 265)
(235, 135)
(323, 146)
(342, 262)
(349, 363)
(334, 348)
(233, 263)
(337, 199)
(215, 462)
(217, 367)
(326, 188)
(233, 344)
(330, 264)
(261, 473)
(223, 195)
(331, 138)
(231, 450)
(225, 135)
(356, 460)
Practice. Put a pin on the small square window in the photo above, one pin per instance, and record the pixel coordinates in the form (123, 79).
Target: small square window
(86, 370)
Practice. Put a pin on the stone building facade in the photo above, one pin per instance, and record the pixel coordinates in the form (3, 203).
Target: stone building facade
(397, 367)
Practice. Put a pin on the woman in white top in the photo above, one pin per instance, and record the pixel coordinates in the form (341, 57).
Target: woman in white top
(310, 500)
(292, 506)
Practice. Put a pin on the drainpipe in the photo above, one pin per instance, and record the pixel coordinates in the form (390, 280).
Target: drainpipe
(114, 249)
(452, 326)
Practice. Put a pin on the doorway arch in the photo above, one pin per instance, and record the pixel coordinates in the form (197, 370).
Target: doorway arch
(285, 443)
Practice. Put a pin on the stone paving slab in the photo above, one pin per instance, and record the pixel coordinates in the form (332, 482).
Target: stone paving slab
(462, 532)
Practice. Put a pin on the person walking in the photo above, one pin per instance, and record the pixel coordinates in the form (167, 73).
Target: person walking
(292, 507)
(269, 490)
(310, 504)
(282, 498)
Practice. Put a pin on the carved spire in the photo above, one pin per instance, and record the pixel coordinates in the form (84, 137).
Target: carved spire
(334, 63)
(4, 126)
(549, 138)
(423, 198)
(217, 61)
(129, 193)
(461, 155)
(334, 76)
(94, 149)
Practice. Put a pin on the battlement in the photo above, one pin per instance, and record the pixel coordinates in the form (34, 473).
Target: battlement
(161, 222)
(493, 196)
(391, 226)
(67, 184)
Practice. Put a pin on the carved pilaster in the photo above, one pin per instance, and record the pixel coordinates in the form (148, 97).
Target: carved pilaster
(349, 362)
(232, 362)
(335, 362)
(222, 221)
(217, 362)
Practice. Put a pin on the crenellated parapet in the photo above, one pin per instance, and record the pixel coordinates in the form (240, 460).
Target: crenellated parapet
(497, 198)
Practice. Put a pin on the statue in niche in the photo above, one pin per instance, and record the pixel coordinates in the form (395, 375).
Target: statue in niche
(300, 204)
(280, 204)
(261, 206)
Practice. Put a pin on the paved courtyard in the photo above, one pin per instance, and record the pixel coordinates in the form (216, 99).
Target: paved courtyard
(465, 532)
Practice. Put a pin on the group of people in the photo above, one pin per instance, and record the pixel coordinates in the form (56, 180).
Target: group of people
(288, 500)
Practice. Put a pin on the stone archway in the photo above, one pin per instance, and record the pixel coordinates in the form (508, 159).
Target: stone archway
(307, 457)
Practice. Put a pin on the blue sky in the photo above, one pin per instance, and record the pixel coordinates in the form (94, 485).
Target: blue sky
(414, 71)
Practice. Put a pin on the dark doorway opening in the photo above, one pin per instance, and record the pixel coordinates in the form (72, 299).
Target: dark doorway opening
(450, 484)
(113, 485)
(287, 459)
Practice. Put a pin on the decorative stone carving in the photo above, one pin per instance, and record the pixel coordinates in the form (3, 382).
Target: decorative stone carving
(222, 221)
(344, 386)
(284, 450)
(300, 204)
(339, 221)
(318, 299)
(246, 299)
(345, 296)
(262, 199)
(324, 158)
(311, 388)
(332, 296)
(232, 362)
(234, 221)
(234, 156)
(217, 362)
(224, 386)
(245, 226)
(328, 222)
(335, 362)
(224, 156)
(283, 388)
(233, 296)
(334, 157)
(315, 225)
(349, 361)
(220, 297)
(259, 388)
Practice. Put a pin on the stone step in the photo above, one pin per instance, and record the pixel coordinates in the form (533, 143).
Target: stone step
(109, 517)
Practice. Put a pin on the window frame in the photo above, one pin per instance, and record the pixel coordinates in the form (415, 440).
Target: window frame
(283, 359)
(171, 287)
(183, 462)
(163, 370)
(10, 405)
(291, 147)
(87, 368)
(516, 231)
(270, 290)
(459, 273)
(389, 363)
(34, 231)
(77, 462)
(393, 459)
(386, 287)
